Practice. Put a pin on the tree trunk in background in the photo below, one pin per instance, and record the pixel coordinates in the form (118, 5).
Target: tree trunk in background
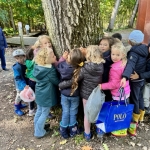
(133, 14)
(72, 23)
(113, 16)
(11, 17)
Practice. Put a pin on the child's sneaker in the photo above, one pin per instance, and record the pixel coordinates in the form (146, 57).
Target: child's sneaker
(99, 132)
(132, 129)
(31, 113)
(87, 136)
(120, 132)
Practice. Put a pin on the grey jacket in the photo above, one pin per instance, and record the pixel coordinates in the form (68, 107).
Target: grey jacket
(90, 76)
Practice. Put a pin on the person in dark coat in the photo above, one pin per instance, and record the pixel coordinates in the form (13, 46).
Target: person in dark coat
(105, 46)
(88, 75)
(146, 76)
(137, 58)
(45, 89)
(3, 45)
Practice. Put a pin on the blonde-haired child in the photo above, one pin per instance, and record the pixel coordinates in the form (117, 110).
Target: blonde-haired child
(90, 75)
(42, 42)
(45, 89)
(119, 58)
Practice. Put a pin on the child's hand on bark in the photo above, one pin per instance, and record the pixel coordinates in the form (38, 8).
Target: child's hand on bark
(65, 55)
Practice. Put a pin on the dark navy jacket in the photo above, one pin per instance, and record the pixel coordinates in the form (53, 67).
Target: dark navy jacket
(66, 72)
(3, 43)
(146, 74)
(137, 58)
(107, 64)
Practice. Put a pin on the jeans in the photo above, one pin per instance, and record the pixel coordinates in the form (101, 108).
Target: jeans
(18, 99)
(39, 120)
(136, 96)
(32, 85)
(2, 56)
(69, 110)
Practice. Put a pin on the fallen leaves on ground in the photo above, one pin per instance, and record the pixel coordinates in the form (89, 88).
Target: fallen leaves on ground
(86, 148)
(63, 142)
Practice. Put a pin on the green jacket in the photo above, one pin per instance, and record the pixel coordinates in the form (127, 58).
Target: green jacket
(29, 71)
(46, 85)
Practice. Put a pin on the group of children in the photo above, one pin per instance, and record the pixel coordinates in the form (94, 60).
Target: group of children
(80, 71)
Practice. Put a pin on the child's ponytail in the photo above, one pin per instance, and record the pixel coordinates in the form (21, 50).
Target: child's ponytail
(75, 78)
(77, 61)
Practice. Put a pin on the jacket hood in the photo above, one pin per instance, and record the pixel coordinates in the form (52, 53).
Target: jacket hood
(94, 68)
(141, 50)
(65, 70)
(39, 72)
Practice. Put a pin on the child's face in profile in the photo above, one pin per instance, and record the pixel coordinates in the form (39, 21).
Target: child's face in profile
(104, 46)
(116, 55)
(20, 59)
(45, 43)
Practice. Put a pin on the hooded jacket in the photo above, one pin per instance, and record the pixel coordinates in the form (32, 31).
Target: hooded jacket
(19, 76)
(66, 72)
(115, 75)
(89, 78)
(46, 82)
(137, 58)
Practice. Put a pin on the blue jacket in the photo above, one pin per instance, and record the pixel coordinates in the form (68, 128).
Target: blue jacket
(46, 85)
(19, 76)
(107, 64)
(66, 72)
(3, 43)
(137, 58)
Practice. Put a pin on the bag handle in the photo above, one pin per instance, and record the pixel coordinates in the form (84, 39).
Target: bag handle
(122, 94)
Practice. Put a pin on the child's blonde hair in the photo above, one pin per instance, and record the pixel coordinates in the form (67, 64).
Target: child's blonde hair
(119, 46)
(42, 56)
(42, 37)
(36, 44)
(94, 54)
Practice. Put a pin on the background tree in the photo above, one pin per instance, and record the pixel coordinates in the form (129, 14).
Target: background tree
(131, 21)
(113, 15)
(25, 11)
(72, 23)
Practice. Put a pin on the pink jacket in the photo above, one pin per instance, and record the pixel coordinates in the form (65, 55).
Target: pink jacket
(115, 76)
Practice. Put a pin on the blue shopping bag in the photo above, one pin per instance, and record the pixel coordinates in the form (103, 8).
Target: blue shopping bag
(115, 115)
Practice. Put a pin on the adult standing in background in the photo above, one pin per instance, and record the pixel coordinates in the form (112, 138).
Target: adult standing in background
(3, 46)
(27, 27)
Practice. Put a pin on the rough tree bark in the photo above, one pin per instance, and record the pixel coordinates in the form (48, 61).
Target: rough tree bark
(113, 15)
(72, 23)
(131, 21)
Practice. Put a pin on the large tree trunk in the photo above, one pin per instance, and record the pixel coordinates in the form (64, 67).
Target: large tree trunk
(72, 23)
(133, 14)
(113, 15)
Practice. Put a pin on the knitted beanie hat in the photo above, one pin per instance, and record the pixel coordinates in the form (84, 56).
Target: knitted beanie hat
(136, 36)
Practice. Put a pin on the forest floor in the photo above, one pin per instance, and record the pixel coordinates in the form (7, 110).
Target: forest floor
(16, 133)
